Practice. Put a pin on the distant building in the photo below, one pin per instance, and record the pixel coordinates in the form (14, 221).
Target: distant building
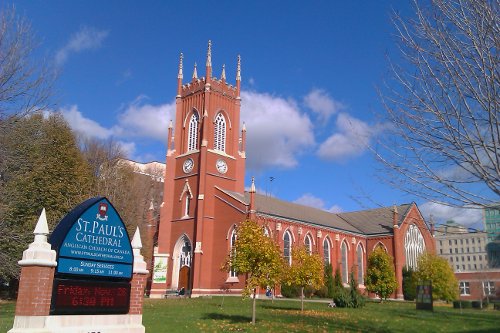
(491, 218)
(464, 250)
(479, 285)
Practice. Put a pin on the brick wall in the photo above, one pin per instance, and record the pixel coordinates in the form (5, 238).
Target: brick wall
(137, 286)
(35, 291)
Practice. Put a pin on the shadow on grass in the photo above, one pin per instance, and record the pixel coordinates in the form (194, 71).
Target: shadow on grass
(234, 319)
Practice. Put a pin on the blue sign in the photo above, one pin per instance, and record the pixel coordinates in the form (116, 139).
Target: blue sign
(92, 241)
(89, 267)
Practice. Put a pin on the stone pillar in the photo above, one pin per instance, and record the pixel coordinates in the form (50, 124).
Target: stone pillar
(139, 278)
(37, 276)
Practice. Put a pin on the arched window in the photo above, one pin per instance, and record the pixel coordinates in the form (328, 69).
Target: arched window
(266, 232)
(220, 133)
(345, 271)
(185, 255)
(326, 251)
(193, 132)
(233, 273)
(414, 246)
(308, 243)
(359, 254)
(287, 242)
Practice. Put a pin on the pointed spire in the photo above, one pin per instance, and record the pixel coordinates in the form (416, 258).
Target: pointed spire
(42, 227)
(252, 187)
(195, 72)
(244, 129)
(136, 241)
(179, 76)
(238, 69)
(209, 54)
(238, 77)
(223, 75)
(170, 124)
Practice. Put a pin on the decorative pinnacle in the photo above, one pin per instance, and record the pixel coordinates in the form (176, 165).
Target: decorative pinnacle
(195, 72)
(209, 54)
(223, 75)
(42, 227)
(170, 125)
(179, 76)
(238, 69)
(252, 187)
(395, 209)
(244, 129)
(136, 241)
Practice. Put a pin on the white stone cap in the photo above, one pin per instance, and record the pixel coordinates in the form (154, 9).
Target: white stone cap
(39, 253)
(139, 263)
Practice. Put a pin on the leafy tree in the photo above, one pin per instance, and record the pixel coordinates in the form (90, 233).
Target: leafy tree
(442, 102)
(256, 256)
(43, 168)
(329, 283)
(409, 284)
(306, 270)
(337, 280)
(380, 277)
(437, 270)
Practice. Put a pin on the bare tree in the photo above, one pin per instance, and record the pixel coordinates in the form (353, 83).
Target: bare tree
(442, 101)
(25, 81)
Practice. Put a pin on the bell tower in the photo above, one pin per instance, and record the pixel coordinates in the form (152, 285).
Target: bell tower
(205, 151)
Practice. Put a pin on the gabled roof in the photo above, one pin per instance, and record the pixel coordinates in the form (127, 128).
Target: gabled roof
(375, 221)
(367, 222)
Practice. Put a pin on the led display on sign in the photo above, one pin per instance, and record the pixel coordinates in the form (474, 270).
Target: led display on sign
(89, 297)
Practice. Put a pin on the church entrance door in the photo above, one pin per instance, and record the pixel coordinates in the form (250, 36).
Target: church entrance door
(184, 277)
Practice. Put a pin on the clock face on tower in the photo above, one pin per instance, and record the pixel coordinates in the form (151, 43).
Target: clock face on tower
(221, 166)
(188, 165)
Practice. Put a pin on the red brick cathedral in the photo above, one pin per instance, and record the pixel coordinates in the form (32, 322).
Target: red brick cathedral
(205, 198)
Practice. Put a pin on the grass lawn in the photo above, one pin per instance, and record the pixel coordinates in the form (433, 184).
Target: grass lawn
(207, 315)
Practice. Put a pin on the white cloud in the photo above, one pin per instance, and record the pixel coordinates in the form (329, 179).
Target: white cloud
(351, 138)
(310, 200)
(441, 213)
(85, 39)
(84, 125)
(145, 120)
(277, 131)
(321, 103)
(127, 147)
(137, 120)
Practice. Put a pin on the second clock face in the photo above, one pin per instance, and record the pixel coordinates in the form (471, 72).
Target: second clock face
(221, 166)
(188, 165)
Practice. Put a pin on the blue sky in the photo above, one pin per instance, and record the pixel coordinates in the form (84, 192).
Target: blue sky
(310, 70)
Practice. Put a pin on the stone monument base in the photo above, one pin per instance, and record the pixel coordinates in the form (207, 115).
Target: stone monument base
(126, 323)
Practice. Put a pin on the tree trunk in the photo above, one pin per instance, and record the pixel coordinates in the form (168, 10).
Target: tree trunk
(253, 306)
(302, 299)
